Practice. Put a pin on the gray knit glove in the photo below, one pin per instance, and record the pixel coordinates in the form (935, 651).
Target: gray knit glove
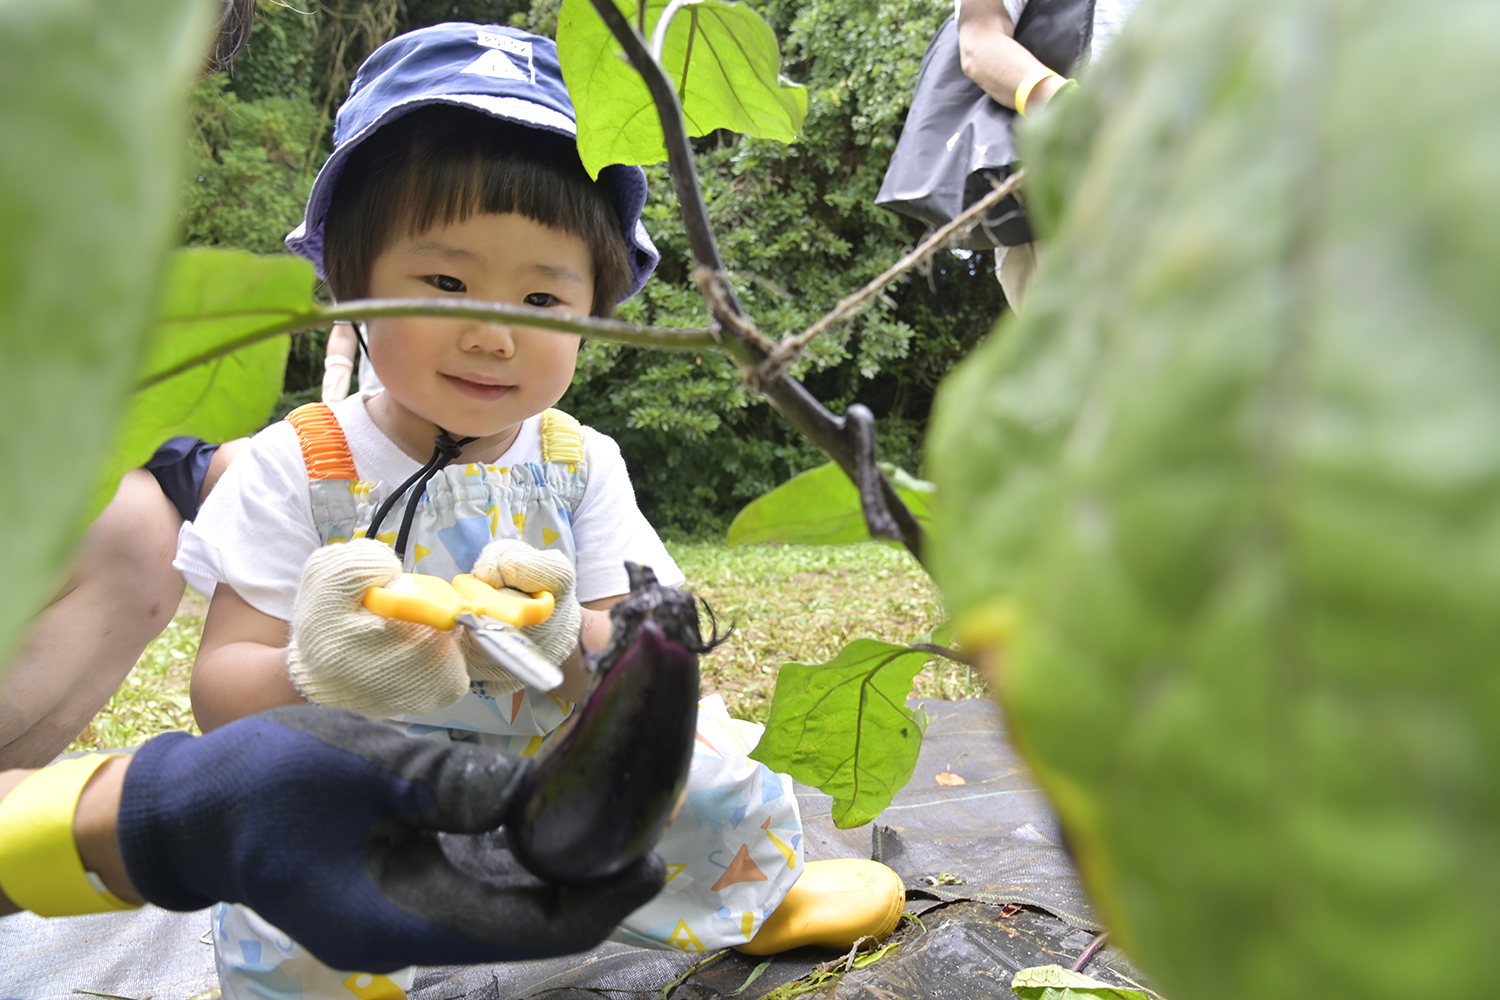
(510, 562)
(345, 656)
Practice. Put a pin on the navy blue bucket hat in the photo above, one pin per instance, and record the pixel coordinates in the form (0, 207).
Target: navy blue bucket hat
(510, 74)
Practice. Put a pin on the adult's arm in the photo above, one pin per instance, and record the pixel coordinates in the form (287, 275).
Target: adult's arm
(93, 829)
(342, 832)
(992, 58)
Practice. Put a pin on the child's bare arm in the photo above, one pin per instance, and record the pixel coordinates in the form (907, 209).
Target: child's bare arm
(241, 667)
(595, 637)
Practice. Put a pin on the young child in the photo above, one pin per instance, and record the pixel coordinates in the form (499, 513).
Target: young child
(455, 175)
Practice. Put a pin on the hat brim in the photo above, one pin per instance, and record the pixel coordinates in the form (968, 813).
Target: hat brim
(629, 181)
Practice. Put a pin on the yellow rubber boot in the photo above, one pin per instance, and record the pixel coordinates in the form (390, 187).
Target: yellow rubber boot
(833, 904)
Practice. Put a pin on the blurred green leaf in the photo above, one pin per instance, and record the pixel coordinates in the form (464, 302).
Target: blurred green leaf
(723, 57)
(821, 507)
(942, 635)
(92, 116)
(844, 728)
(1236, 469)
(212, 298)
(1053, 982)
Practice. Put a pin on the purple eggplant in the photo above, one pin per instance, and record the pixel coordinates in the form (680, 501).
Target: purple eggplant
(600, 795)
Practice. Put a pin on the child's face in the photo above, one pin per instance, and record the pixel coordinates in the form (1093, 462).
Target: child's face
(468, 377)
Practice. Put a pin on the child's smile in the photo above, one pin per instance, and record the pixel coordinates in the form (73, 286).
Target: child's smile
(467, 377)
(478, 387)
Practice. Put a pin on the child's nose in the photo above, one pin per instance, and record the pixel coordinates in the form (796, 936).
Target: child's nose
(496, 338)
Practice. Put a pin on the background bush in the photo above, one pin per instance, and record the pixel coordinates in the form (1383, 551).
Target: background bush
(797, 225)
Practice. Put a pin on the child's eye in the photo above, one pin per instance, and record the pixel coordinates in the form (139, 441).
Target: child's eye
(446, 283)
(542, 299)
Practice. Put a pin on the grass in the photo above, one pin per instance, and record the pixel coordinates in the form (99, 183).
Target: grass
(789, 604)
(154, 698)
(802, 604)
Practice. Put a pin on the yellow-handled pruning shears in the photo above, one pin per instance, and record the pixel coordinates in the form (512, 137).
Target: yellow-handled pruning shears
(493, 617)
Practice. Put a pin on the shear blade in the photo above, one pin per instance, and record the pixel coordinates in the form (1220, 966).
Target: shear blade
(507, 647)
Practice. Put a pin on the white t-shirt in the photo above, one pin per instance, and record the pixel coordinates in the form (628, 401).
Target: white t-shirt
(256, 528)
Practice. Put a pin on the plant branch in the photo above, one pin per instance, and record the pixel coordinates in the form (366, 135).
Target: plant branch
(788, 350)
(746, 345)
(613, 330)
(700, 232)
(859, 428)
(944, 651)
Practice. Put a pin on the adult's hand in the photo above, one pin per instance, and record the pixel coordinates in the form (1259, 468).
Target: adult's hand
(374, 850)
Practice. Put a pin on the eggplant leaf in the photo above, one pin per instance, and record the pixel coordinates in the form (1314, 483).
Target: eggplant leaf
(92, 96)
(820, 507)
(1053, 982)
(941, 635)
(723, 57)
(211, 298)
(1236, 470)
(844, 727)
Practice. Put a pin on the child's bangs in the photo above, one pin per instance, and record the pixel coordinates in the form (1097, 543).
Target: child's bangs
(441, 190)
(441, 165)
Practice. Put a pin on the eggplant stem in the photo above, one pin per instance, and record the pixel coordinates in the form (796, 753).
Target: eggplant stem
(1090, 951)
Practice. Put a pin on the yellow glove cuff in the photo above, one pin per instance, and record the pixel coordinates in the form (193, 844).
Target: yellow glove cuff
(40, 869)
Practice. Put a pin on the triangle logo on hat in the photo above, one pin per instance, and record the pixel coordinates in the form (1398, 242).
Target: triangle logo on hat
(496, 64)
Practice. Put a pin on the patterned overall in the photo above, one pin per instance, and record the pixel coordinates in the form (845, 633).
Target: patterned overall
(732, 852)
(464, 507)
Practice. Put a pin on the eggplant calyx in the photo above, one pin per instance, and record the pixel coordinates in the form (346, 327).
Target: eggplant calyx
(674, 611)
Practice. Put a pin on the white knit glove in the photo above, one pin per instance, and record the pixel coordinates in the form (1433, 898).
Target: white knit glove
(510, 562)
(346, 656)
(337, 371)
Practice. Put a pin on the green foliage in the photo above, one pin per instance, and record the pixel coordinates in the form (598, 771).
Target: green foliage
(155, 698)
(722, 55)
(803, 603)
(1053, 982)
(1236, 469)
(258, 136)
(91, 115)
(698, 447)
(799, 230)
(821, 979)
(843, 727)
(820, 507)
(249, 174)
(211, 298)
(261, 131)
(278, 61)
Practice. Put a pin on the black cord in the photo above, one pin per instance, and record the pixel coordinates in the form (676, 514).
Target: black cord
(444, 450)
